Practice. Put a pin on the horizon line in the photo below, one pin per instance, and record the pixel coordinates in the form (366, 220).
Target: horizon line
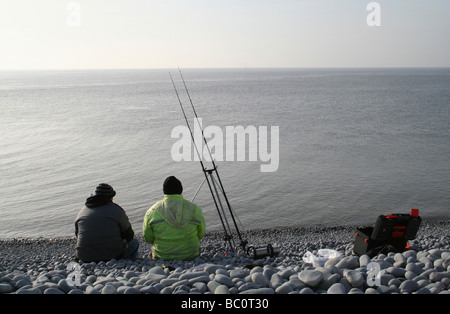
(225, 68)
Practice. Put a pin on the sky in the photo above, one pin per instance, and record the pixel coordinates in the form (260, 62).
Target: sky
(131, 34)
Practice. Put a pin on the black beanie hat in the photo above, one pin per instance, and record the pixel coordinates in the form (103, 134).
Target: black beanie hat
(105, 190)
(172, 186)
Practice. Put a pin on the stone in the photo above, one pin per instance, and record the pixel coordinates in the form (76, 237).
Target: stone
(355, 291)
(91, 290)
(337, 288)
(328, 281)
(396, 271)
(155, 277)
(222, 289)
(311, 277)
(212, 286)
(5, 288)
(149, 290)
(364, 260)
(306, 290)
(129, 274)
(414, 268)
(423, 290)
(348, 262)
(25, 290)
(260, 279)
(238, 273)
(438, 276)
(285, 288)
(224, 280)
(398, 257)
(132, 290)
(157, 270)
(247, 286)
(191, 275)
(22, 283)
(276, 281)
(371, 291)
(169, 281)
(212, 268)
(355, 278)
(64, 286)
(409, 286)
(200, 286)
(109, 289)
(410, 253)
(268, 272)
(166, 290)
(53, 291)
(259, 291)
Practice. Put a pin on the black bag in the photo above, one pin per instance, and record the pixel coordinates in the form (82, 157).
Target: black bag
(390, 233)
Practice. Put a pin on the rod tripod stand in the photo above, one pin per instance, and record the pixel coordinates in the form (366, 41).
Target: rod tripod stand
(212, 177)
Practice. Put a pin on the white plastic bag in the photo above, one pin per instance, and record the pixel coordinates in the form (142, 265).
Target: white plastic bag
(323, 256)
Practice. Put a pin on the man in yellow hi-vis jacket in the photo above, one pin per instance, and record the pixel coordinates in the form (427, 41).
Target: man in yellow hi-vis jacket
(174, 225)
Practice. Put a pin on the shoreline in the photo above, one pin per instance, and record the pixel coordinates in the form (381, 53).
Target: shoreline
(40, 265)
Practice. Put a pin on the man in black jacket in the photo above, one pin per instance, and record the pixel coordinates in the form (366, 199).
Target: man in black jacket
(103, 230)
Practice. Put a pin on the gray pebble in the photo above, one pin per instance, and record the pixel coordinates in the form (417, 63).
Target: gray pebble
(355, 278)
(409, 286)
(364, 260)
(166, 290)
(371, 291)
(423, 290)
(260, 279)
(275, 281)
(285, 288)
(91, 290)
(212, 268)
(337, 288)
(348, 262)
(155, 277)
(200, 286)
(222, 289)
(28, 290)
(238, 273)
(212, 286)
(311, 277)
(64, 286)
(224, 280)
(5, 288)
(149, 290)
(53, 291)
(191, 275)
(259, 291)
(306, 290)
(396, 271)
(355, 291)
(109, 289)
(132, 290)
(414, 268)
(438, 276)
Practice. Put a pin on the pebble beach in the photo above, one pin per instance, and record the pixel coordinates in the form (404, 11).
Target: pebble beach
(47, 266)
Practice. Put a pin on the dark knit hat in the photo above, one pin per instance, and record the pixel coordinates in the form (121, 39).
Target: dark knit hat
(172, 186)
(105, 190)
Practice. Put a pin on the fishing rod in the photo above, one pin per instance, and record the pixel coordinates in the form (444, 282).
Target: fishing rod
(212, 177)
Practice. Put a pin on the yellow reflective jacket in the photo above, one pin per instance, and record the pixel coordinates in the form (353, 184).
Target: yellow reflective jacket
(174, 226)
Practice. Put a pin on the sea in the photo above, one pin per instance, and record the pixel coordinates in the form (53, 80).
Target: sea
(352, 144)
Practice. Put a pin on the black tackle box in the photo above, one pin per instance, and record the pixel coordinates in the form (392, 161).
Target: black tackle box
(391, 232)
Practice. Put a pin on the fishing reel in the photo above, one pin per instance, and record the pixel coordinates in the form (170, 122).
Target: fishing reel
(257, 253)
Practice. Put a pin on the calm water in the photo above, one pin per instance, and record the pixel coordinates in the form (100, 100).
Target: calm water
(354, 144)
